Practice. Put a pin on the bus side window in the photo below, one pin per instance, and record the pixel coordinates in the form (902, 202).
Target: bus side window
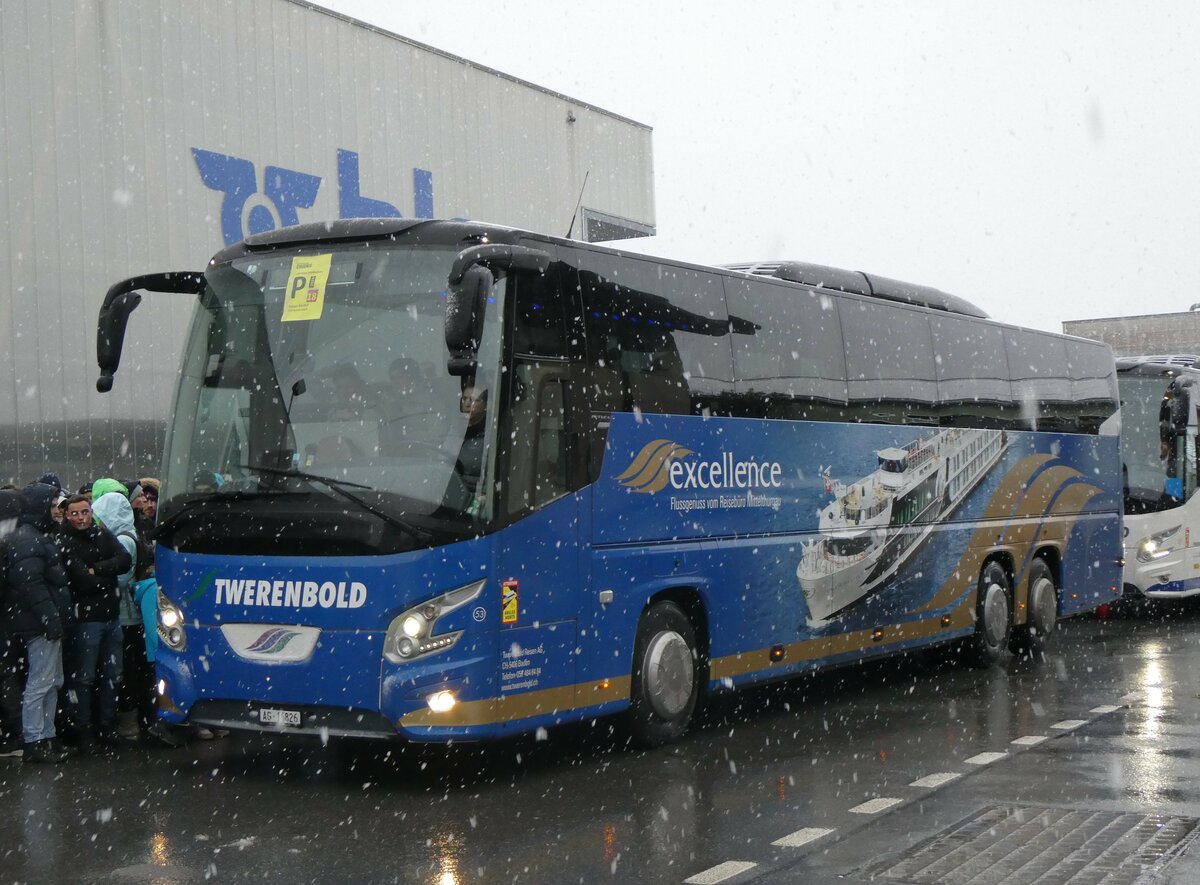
(657, 338)
(787, 352)
(539, 463)
(539, 443)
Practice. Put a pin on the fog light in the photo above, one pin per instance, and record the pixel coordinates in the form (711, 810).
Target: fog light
(441, 702)
(162, 687)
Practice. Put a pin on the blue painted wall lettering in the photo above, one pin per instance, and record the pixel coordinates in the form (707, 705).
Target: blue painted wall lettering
(250, 208)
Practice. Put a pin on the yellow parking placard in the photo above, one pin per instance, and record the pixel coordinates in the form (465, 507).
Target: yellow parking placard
(305, 297)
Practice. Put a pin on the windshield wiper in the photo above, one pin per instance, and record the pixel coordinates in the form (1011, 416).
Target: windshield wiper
(338, 487)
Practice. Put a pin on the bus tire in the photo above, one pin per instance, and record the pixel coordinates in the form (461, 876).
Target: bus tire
(993, 616)
(1035, 635)
(665, 684)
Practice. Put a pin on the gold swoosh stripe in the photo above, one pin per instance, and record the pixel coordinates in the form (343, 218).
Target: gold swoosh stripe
(655, 474)
(1012, 499)
(827, 646)
(525, 705)
(643, 458)
(1056, 530)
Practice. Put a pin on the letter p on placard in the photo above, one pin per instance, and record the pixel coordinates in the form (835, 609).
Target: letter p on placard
(305, 297)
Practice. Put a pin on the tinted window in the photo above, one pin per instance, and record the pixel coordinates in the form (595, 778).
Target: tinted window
(787, 348)
(538, 315)
(971, 362)
(1040, 380)
(889, 353)
(1092, 371)
(657, 336)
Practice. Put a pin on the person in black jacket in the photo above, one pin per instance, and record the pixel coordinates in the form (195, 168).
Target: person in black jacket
(12, 649)
(36, 609)
(93, 559)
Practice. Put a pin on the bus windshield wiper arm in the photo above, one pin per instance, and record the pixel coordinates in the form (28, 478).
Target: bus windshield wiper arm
(338, 487)
(293, 473)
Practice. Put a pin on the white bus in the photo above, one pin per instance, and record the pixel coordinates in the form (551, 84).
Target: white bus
(1158, 452)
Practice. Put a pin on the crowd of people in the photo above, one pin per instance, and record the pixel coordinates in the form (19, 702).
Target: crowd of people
(78, 609)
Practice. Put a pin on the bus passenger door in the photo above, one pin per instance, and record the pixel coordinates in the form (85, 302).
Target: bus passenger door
(537, 552)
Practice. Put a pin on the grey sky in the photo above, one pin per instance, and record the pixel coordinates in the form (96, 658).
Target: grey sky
(1037, 159)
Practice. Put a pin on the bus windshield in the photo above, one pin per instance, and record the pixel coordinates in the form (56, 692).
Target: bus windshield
(336, 392)
(1158, 473)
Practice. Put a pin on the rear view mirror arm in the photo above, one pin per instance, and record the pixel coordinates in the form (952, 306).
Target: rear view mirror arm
(119, 302)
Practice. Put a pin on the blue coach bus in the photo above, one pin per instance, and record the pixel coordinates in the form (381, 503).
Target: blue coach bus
(453, 480)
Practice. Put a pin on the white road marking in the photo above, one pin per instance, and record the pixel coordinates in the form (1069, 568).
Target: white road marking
(1068, 724)
(1030, 740)
(720, 872)
(874, 806)
(1107, 708)
(985, 758)
(934, 780)
(802, 837)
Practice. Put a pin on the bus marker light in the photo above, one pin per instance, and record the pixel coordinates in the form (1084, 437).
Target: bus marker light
(605, 684)
(877, 634)
(946, 620)
(441, 701)
(776, 653)
(162, 686)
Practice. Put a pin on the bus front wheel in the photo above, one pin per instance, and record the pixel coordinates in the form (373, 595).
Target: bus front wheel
(993, 616)
(1034, 636)
(665, 684)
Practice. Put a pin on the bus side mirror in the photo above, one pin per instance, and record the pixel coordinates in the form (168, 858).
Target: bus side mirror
(119, 303)
(110, 336)
(464, 318)
(471, 280)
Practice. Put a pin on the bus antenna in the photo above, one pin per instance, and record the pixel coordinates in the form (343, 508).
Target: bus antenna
(578, 203)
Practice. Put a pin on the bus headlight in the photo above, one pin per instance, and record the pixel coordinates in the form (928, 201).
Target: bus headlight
(411, 633)
(1157, 546)
(170, 624)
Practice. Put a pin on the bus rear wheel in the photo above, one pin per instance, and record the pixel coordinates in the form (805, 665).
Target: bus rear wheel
(993, 616)
(1035, 635)
(665, 684)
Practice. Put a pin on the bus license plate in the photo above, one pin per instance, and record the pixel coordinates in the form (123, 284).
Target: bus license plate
(275, 716)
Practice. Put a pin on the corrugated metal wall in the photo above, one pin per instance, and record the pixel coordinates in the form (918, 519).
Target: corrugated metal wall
(113, 109)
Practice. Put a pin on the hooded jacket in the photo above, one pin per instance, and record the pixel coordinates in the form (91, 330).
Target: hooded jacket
(35, 601)
(93, 560)
(114, 513)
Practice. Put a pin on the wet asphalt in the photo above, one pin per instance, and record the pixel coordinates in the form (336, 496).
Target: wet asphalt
(806, 762)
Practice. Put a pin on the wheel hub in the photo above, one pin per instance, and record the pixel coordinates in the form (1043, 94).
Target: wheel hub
(669, 674)
(1043, 607)
(995, 615)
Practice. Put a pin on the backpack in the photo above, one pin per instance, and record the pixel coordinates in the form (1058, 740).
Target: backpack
(143, 557)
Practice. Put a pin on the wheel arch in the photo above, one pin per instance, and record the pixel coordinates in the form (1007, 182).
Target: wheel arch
(690, 600)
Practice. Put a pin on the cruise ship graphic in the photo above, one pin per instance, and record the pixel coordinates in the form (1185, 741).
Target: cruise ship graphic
(875, 524)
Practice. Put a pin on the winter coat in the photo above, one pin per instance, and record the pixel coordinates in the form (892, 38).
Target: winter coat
(145, 594)
(114, 513)
(36, 601)
(93, 559)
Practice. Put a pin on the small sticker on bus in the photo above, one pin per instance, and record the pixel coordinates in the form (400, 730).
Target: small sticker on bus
(508, 601)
